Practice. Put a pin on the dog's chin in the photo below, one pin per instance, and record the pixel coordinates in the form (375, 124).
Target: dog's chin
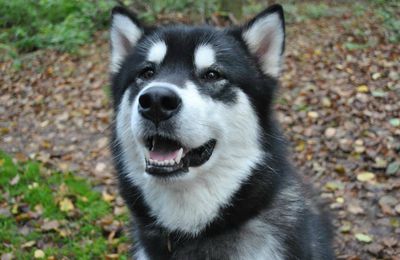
(166, 158)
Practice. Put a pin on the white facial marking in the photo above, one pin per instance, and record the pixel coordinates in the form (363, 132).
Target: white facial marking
(129, 146)
(265, 38)
(204, 56)
(124, 35)
(157, 52)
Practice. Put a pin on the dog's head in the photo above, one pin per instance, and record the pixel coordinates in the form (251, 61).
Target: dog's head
(191, 102)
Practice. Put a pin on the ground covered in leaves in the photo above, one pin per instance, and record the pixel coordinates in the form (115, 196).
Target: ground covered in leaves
(339, 106)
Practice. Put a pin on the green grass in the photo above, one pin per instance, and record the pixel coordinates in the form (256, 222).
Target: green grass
(296, 12)
(32, 195)
(28, 25)
(388, 13)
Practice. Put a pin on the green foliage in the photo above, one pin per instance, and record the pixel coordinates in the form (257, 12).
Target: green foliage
(299, 12)
(315, 11)
(351, 46)
(27, 25)
(26, 186)
(149, 10)
(388, 13)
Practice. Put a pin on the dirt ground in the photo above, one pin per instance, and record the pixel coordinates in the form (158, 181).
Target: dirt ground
(339, 106)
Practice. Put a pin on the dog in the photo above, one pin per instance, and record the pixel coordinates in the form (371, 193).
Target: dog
(201, 162)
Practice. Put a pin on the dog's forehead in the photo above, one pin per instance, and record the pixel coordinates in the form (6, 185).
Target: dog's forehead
(195, 46)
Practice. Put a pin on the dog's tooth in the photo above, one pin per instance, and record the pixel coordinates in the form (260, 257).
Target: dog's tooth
(171, 162)
(179, 156)
(151, 161)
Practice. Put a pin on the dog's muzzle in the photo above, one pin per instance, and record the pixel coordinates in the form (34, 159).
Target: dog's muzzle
(165, 154)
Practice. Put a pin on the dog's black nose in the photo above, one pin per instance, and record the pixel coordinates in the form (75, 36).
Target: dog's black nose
(159, 103)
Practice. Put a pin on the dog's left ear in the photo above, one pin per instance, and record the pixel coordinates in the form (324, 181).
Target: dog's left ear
(264, 35)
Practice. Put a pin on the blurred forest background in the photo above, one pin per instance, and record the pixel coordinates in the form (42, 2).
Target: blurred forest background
(339, 106)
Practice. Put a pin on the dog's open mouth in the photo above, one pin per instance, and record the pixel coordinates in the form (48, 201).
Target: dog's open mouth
(166, 156)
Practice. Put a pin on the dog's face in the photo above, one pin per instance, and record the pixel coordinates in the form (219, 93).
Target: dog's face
(188, 100)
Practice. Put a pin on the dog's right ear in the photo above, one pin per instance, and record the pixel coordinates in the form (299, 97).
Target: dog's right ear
(125, 33)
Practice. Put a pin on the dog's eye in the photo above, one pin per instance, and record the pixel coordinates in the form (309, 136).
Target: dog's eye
(211, 75)
(147, 73)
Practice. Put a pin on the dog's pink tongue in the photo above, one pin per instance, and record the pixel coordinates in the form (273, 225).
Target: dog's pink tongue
(163, 155)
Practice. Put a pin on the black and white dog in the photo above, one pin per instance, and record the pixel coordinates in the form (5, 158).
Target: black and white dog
(201, 162)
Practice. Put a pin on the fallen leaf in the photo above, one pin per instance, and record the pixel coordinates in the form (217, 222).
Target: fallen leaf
(7, 256)
(5, 212)
(300, 146)
(395, 122)
(332, 186)
(107, 197)
(365, 176)
(66, 205)
(118, 211)
(32, 186)
(393, 168)
(362, 89)
(100, 167)
(28, 244)
(330, 132)
(345, 227)
(375, 249)
(340, 200)
(397, 208)
(50, 225)
(340, 169)
(363, 238)
(39, 209)
(313, 114)
(123, 248)
(355, 209)
(326, 102)
(394, 222)
(21, 157)
(376, 76)
(14, 181)
(379, 93)
(39, 253)
(380, 163)
(390, 241)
